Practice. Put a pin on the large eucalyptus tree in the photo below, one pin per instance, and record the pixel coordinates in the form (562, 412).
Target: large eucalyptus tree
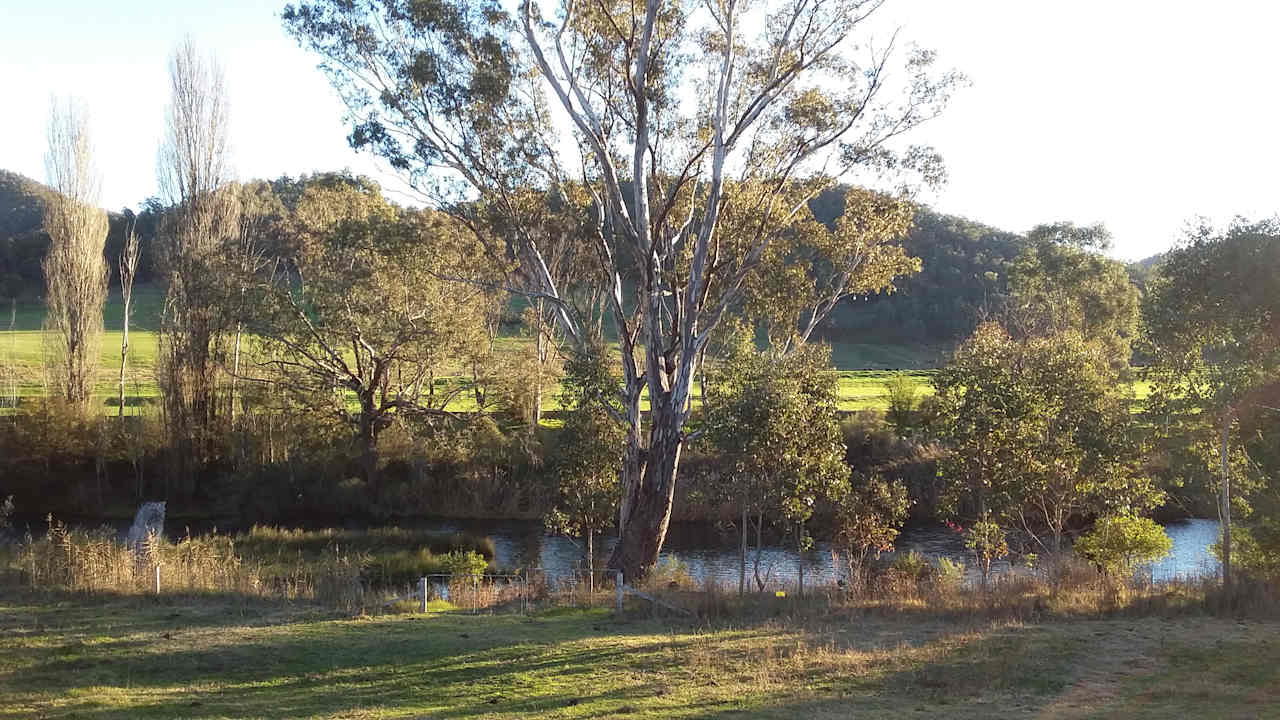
(672, 119)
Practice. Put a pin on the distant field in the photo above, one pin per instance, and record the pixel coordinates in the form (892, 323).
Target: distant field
(864, 367)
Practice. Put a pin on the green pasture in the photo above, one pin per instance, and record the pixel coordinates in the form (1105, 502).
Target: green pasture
(22, 366)
(109, 658)
(864, 368)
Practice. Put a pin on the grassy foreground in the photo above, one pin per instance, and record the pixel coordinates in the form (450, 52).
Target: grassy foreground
(112, 657)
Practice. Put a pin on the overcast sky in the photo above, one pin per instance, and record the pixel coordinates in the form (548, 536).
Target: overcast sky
(1135, 113)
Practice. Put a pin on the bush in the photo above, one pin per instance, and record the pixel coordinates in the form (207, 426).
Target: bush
(903, 397)
(1119, 542)
(950, 574)
(985, 539)
(464, 563)
(669, 571)
(1257, 549)
(912, 564)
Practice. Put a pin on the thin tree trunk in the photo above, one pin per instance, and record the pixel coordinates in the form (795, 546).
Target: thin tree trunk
(1225, 506)
(591, 561)
(759, 549)
(124, 351)
(368, 440)
(235, 372)
(742, 555)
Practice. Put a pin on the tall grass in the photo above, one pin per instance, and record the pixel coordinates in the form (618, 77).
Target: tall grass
(96, 561)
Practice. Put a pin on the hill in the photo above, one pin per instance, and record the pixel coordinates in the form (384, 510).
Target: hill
(22, 241)
(963, 278)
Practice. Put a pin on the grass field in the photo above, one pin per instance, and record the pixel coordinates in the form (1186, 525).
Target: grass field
(864, 368)
(105, 658)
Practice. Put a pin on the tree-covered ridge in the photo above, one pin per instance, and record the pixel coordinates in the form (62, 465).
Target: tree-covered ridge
(22, 240)
(963, 275)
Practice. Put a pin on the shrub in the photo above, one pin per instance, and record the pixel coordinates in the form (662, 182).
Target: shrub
(1257, 549)
(867, 519)
(950, 574)
(1119, 542)
(903, 397)
(985, 539)
(669, 571)
(912, 564)
(466, 563)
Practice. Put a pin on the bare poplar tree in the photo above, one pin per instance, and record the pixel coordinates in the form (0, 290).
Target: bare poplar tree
(128, 267)
(75, 269)
(201, 223)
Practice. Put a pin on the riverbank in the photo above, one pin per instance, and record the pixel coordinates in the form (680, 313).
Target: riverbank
(111, 657)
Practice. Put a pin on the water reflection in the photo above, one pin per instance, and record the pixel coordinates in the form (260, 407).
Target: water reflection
(707, 552)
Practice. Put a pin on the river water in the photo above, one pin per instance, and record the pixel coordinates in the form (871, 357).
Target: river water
(706, 552)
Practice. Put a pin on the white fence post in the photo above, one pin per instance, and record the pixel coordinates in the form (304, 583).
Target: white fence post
(618, 586)
(422, 594)
(157, 578)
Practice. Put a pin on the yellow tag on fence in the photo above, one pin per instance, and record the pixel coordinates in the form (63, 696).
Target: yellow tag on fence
(780, 593)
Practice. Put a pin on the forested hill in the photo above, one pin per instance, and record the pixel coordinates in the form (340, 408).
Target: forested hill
(23, 241)
(964, 276)
(964, 273)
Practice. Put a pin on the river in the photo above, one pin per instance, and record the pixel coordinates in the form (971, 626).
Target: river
(704, 551)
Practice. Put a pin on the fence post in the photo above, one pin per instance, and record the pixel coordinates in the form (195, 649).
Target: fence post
(618, 587)
(157, 578)
(422, 594)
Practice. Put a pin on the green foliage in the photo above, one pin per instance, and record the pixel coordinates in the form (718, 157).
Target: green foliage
(774, 421)
(1213, 336)
(799, 282)
(949, 573)
(359, 305)
(466, 563)
(1117, 543)
(1062, 282)
(963, 277)
(986, 540)
(1041, 432)
(868, 519)
(912, 564)
(1257, 548)
(904, 403)
(588, 451)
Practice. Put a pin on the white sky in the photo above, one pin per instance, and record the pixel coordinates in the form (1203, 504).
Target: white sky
(1136, 113)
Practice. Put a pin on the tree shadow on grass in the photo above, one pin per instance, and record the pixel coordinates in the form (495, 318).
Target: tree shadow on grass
(221, 665)
(577, 664)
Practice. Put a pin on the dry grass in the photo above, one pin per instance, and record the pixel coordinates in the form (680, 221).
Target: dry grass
(86, 561)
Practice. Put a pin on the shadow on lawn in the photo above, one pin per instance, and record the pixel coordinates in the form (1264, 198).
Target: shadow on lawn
(180, 662)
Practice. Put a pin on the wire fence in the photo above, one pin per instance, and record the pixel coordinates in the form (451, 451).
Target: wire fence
(518, 592)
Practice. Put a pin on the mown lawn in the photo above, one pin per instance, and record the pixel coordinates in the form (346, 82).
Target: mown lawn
(64, 657)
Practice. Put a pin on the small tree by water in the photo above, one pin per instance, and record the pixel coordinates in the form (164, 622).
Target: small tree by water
(1118, 543)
